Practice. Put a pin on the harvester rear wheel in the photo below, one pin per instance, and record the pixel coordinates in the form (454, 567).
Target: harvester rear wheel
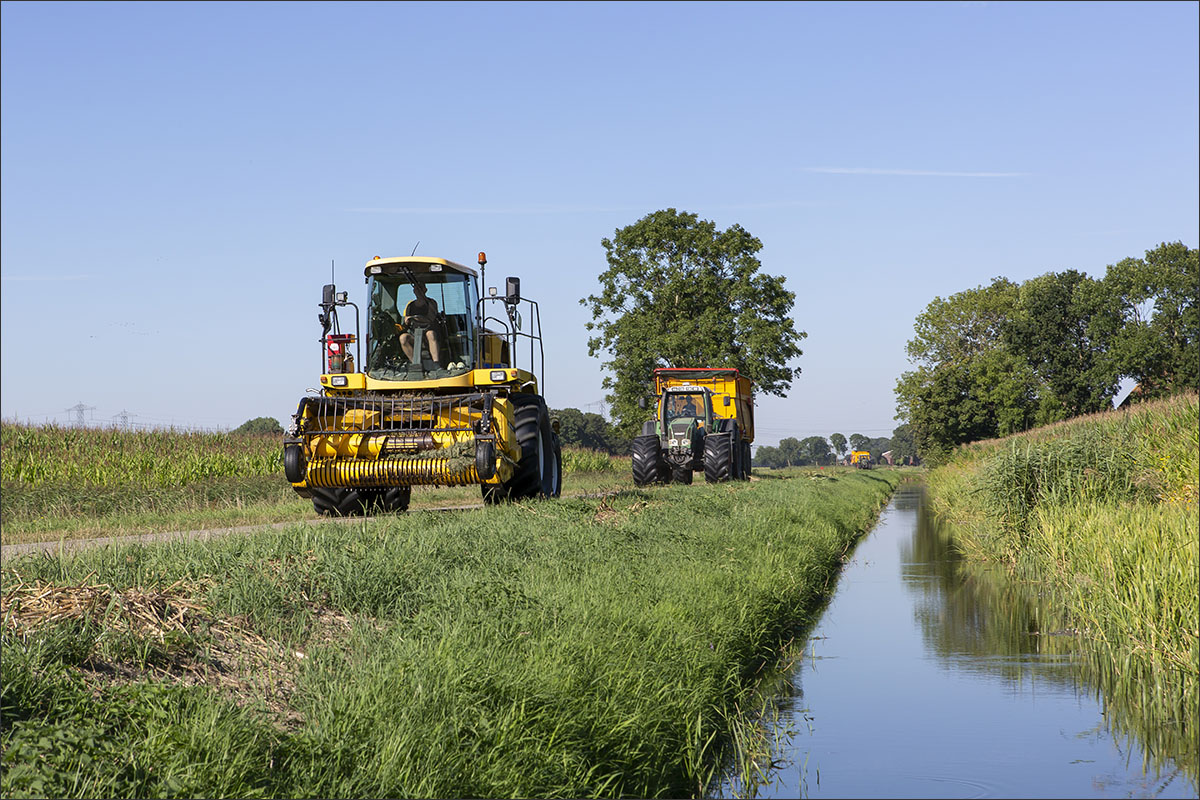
(646, 455)
(387, 501)
(718, 461)
(337, 502)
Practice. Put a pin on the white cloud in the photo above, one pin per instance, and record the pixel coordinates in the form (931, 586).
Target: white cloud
(912, 172)
(44, 277)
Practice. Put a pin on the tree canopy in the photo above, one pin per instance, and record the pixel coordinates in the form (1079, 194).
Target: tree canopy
(260, 425)
(589, 430)
(999, 359)
(678, 292)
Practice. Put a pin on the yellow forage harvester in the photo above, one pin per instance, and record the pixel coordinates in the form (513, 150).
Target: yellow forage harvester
(439, 399)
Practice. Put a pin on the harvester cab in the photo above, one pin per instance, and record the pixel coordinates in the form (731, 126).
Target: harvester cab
(442, 398)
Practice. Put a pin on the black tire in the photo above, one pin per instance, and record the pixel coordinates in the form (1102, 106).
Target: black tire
(293, 463)
(718, 461)
(646, 455)
(682, 475)
(747, 461)
(664, 468)
(539, 472)
(338, 502)
(386, 501)
(556, 486)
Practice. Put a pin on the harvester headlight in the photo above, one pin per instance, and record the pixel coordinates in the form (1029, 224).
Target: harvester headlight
(338, 380)
(498, 375)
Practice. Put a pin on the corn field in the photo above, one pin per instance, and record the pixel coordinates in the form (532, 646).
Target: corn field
(97, 457)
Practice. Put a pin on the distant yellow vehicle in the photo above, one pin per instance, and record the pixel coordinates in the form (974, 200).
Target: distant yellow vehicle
(860, 459)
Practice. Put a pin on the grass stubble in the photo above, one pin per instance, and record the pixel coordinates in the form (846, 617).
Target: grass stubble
(589, 646)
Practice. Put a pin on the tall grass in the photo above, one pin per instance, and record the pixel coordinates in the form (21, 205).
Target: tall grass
(586, 647)
(1100, 513)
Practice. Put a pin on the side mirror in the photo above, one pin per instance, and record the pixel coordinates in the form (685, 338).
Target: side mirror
(512, 291)
(642, 404)
(725, 400)
(327, 295)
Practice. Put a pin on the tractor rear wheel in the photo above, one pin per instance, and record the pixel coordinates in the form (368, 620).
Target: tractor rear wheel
(645, 459)
(718, 457)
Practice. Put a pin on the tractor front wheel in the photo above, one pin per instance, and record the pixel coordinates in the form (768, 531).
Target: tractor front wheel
(718, 457)
(645, 459)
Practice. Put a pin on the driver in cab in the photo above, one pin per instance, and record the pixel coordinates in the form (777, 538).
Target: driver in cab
(421, 311)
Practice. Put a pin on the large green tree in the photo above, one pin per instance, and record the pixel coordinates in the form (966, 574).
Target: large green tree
(839, 444)
(815, 450)
(1155, 319)
(904, 444)
(678, 292)
(968, 384)
(589, 430)
(1052, 328)
(259, 426)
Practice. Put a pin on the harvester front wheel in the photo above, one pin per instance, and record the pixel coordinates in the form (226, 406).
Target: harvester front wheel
(646, 449)
(539, 473)
(718, 457)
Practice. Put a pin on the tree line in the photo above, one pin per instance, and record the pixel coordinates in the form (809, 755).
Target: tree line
(1003, 358)
(819, 451)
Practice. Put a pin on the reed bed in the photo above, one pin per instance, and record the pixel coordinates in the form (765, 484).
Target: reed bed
(1100, 514)
(585, 647)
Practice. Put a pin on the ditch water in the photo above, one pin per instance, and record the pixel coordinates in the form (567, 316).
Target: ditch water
(923, 680)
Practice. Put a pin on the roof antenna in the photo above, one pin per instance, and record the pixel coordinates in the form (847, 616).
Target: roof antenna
(415, 246)
(332, 279)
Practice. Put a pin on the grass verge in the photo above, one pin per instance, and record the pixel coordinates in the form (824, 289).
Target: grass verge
(573, 648)
(1100, 515)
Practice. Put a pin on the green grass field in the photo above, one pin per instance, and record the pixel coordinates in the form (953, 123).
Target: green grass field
(600, 646)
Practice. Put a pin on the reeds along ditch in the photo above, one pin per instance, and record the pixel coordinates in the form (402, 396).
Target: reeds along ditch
(1101, 513)
(584, 647)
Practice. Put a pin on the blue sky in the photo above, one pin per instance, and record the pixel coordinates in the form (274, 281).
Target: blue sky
(177, 178)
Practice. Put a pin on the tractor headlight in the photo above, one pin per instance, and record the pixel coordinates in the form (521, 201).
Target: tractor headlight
(338, 380)
(498, 375)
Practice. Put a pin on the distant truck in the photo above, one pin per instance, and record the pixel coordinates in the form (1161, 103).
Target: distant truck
(860, 459)
(703, 422)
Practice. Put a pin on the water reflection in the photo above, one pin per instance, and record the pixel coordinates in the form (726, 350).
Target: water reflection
(927, 677)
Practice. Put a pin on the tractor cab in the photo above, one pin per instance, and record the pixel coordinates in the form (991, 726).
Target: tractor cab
(687, 404)
(421, 314)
